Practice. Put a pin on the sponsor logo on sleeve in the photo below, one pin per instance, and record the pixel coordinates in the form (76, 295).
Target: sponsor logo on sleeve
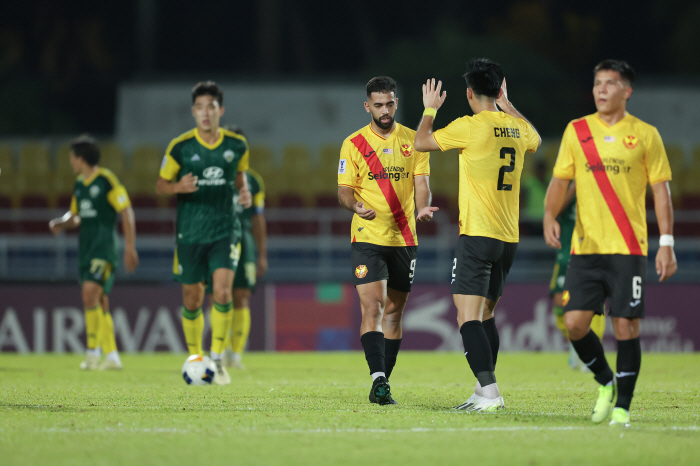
(341, 167)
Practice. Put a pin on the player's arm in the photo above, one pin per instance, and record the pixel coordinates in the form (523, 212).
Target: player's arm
(131, 257)
(666, 264)
(553, 203)
(508, 108)
(423, 198)
(432, 101)
(346, 197)
(68, 221)
(167, 183)
(259, 230)
(244, 197)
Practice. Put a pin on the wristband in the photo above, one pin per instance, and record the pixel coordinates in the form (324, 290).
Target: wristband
(666, 240)
(430, 111)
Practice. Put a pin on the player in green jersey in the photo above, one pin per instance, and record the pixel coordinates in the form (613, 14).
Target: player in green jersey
(251, 266)
(205, 167)
(567, 222)
(98, 197)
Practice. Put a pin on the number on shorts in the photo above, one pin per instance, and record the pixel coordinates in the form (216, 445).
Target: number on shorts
(413, 269)
(98, 267)
(454, 267)
(637, 287)
(235, 253)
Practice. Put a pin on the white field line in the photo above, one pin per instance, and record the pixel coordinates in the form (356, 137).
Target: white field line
(419, 430)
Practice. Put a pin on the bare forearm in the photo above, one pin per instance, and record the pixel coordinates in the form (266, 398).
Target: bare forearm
(346, 198)
(241, 181)
(129, 227)
(424, 140)
(66, 222)
(663, 207)
(423, 196)
(259, 230)
(556, 193)
(164, 186)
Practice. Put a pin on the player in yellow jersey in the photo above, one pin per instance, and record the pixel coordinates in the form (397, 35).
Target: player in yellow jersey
(492, 146)
(612, 156)
(383, 180)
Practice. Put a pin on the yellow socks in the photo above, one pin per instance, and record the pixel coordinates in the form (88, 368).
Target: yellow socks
(93, 318)
(598, 325)
(241, 329)
(559, 320)
(107, 340)
(193, 326)
(221, 317)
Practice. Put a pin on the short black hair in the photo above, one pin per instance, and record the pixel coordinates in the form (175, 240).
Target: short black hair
(484, 77)
(85, 147)
(208, 88)
(235, 128)
(621, 66)
(381, 84)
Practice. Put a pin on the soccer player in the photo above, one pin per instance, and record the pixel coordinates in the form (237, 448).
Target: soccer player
(251, 266)
(567, 220)
(492, 146)
(383, 180)
(204, 167)
(98, 197)
(612, 156)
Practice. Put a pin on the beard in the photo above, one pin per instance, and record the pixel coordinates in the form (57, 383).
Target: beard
(387, 125)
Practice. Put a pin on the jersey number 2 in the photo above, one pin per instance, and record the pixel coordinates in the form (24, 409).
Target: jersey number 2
(506, 168)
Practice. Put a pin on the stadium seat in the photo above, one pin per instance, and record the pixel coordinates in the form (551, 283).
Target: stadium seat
(689, 185)
(140, 179)
(8, 174)
(34, 174)
(296, 174)
(63, 178)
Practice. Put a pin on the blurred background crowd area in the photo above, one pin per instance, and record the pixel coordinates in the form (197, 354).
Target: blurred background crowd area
(293, 75)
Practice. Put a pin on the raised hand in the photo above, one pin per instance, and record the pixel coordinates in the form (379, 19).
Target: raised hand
(502, 99)
(431, 94)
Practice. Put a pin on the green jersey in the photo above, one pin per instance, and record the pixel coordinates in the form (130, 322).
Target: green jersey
(207, 214)
(257, 191)
(97, 201)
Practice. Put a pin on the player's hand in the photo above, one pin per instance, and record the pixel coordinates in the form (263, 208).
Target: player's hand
(55, 226)
(666, 264)
(131, 259)
(188, 184)
(245, 198)
(262, 266)
(552, 232)
(367, 214)
(503, 101)
(426, 214)
(431, 94)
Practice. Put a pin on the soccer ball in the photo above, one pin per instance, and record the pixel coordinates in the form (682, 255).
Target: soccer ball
(198, 370)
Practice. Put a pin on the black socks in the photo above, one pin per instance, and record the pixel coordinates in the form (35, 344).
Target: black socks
(590, 350)
(492, 335)
(477, 349)
(391, 351)
(373, 344)
(629, 361)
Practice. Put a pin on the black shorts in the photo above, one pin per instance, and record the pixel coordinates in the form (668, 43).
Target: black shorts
(591, 278)
(481, 266)
(372, 263)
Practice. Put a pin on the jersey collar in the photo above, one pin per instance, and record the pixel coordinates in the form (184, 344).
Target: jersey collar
(602, 122)
(209, 146)
(87, 181)
(382, 137)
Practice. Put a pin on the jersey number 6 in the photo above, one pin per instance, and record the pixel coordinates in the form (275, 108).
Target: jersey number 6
(506, 168)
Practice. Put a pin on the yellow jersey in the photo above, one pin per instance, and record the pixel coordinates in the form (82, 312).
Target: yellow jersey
(492, 148)
(381, 171)
(612, 166)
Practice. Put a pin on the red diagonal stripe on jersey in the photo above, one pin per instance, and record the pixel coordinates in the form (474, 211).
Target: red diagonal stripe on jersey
(375, 166)
(601, 177)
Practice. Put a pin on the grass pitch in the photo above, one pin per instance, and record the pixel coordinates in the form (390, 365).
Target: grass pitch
(312, 408)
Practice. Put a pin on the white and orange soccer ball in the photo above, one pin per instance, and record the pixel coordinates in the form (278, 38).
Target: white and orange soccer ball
(198, 370)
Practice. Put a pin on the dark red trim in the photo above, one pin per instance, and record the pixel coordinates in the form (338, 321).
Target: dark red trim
(583, 132)
(375, 166)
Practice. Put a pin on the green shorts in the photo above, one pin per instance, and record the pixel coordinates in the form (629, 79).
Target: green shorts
(556, 285)
(98, 271)
(195, 263)
(247, 270)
